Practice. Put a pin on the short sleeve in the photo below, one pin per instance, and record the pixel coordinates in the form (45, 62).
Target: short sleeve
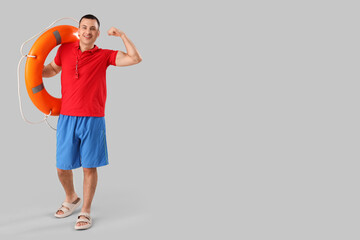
(57, 58)
(112, 57)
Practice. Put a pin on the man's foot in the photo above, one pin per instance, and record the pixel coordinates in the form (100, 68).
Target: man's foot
(67, 208)
(84, 221)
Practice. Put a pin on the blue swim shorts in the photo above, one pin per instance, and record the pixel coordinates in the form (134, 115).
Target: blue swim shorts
(81, 142)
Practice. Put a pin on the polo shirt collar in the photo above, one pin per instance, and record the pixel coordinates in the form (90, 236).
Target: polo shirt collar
(77, 47)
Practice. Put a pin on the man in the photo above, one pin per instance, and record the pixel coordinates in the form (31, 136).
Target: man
(81, 139)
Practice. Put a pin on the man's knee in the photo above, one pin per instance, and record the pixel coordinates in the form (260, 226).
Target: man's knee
(89, 171)
(62, 172)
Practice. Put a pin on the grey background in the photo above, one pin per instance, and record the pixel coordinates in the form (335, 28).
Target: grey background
(240, 123)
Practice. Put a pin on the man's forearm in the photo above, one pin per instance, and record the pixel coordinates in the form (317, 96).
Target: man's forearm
(130, 48)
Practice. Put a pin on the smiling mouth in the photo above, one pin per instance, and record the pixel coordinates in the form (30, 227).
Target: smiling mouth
(87, 37)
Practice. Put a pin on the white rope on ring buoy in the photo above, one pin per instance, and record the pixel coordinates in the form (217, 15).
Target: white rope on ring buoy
(18, 73)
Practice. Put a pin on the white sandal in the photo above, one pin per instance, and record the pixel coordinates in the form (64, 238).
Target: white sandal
(68, 208)
(87, 220)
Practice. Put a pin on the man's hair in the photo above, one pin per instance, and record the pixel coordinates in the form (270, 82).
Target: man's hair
(90, 16)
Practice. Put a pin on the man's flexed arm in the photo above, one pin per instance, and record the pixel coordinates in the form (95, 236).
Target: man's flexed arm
(51, 70)
(132, 56)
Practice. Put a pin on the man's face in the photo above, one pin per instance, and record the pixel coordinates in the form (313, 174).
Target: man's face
(88, 31)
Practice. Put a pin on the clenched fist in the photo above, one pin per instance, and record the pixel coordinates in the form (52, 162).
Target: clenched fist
(115, 32)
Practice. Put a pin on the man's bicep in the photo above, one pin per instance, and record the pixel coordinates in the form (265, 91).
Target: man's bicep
(122, 59)
(55, 66)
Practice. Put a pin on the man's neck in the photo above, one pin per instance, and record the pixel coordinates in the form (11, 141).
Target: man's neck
(84, 48)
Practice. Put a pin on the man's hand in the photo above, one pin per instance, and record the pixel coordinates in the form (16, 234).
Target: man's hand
(115, 32)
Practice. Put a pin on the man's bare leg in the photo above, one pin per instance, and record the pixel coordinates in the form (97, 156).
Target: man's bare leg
(90, 182)
(66, 179)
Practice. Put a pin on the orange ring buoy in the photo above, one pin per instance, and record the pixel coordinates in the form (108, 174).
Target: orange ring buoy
(34, 66)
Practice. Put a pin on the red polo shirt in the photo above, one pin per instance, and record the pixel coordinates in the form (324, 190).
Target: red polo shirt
(83, 79)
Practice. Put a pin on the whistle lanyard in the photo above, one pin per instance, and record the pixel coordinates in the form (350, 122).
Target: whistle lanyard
(77, 65)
